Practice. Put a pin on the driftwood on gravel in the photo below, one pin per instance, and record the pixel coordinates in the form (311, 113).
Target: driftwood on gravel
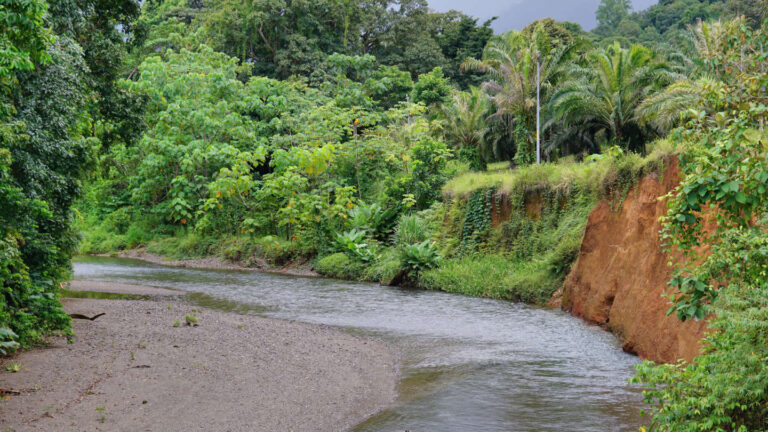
(85, 317)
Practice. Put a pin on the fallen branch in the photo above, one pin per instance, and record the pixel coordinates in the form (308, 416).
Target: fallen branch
(85, 317)
(10, 391)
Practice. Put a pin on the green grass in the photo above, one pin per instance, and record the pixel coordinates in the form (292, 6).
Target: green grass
(562, 175)
(338, 265)
(493, 276)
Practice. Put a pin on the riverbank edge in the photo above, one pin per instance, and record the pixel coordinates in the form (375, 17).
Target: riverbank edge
(212, 263)
(73, 375)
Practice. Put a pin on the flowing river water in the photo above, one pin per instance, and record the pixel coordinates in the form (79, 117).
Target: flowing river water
(468, 364)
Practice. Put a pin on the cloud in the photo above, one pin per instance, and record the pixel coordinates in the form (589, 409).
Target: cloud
(516, 14)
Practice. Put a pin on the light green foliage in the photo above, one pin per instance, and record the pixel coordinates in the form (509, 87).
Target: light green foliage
(191, 320)
(726, 388)
(724, 166)
(12, 367)
(338, 265)
(197, 126)
(431, 88)
(411, 229)
(384, 268)
(372, 219)
(599, 175)
(353, 243)
(418, 257)
(23, 37)
(493, 276)
(545, 209)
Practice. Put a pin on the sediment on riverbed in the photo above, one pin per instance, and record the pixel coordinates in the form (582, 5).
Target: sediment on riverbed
(132, 369)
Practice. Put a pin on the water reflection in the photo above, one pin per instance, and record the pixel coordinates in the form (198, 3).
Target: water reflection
(469, 364)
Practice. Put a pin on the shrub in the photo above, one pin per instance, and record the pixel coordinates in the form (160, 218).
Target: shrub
(372, 219)
(277, 251)
(418, 257)
(353, 243)
(384, 268)
(411, 229)
(338, 265)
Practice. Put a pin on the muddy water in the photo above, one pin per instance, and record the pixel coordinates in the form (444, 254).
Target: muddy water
(469, 364)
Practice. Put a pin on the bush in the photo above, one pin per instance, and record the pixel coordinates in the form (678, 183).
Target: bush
(411, 229)
(353, 243)
(277, 251)
(338, 265)
(384, 268)
(419, 257)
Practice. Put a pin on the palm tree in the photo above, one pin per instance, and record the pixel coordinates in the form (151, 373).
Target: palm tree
(719, 55)
(466, 123)
(510, 62)
(602, 104)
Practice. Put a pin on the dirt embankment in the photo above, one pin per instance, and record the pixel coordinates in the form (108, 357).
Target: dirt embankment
(621, 274)
(133, 370)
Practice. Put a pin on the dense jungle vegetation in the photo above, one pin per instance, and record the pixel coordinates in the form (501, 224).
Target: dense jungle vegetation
(379, 140)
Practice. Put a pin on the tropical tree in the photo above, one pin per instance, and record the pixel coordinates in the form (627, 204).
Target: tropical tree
(722, 63)
(600, 104)
(511, 62)
(466, 125)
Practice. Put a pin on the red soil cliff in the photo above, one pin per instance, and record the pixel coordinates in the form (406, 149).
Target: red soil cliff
(621, 274)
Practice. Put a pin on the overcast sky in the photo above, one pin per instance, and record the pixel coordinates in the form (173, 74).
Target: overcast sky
(515, 14)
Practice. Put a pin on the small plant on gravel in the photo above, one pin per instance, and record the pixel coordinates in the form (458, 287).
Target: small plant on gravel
(176, 323)
(13, 367)
(103, 416)
(191, 320)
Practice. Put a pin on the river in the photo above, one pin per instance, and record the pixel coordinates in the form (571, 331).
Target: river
(468, 364)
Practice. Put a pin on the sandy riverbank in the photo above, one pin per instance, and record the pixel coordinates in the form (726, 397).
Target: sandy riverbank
(132, 370)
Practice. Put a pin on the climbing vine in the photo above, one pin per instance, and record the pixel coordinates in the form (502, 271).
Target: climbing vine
(477, 219)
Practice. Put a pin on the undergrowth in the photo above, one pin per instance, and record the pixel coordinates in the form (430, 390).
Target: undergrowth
(506, 234)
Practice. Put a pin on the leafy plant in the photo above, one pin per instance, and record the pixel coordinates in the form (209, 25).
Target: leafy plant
(13, 367)
(8, 342)
(352, 243)
(418, 257)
